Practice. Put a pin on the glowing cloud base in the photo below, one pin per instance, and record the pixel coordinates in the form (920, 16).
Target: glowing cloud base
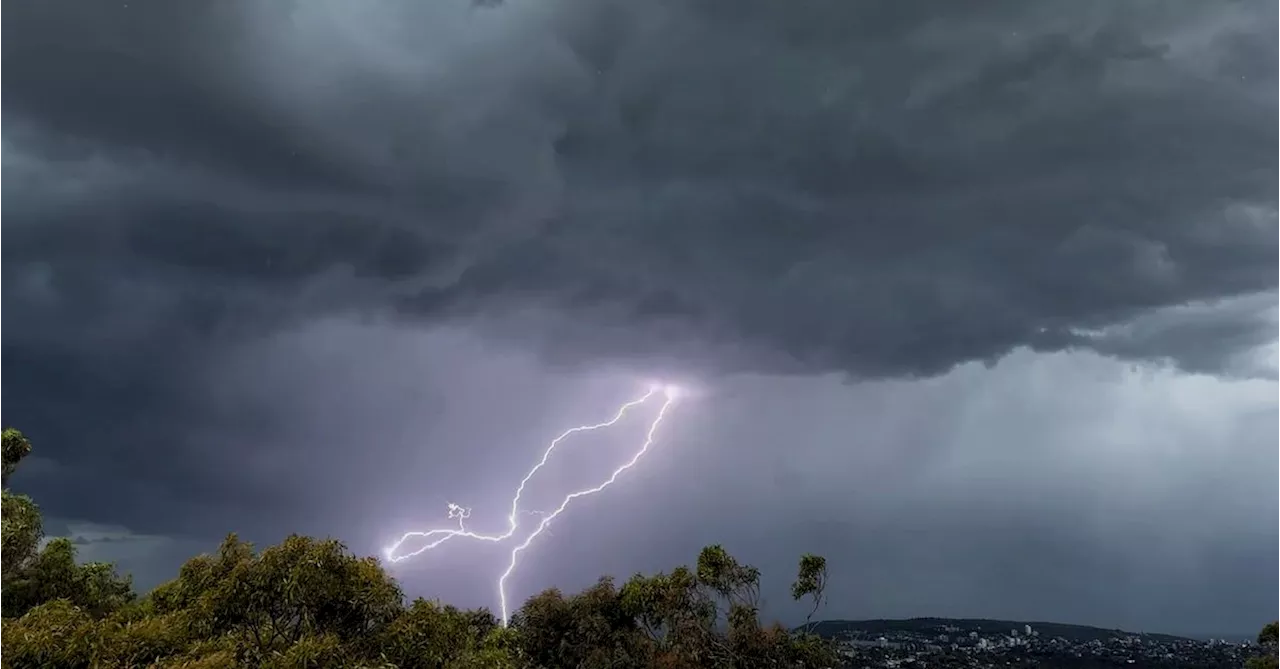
(433, 538)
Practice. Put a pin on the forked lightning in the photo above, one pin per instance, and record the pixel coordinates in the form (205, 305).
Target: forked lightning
(434, 538)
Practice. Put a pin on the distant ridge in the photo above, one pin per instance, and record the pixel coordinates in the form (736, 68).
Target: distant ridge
(985, 627)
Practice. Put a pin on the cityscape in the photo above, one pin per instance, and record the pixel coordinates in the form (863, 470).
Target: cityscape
(935, 642)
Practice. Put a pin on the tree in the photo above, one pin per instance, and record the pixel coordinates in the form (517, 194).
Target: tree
(671, 610)
(301, 589)
(431, 634)
(590, 629)
(31, 576)
(13, 448)
(1268, 641)
(811, 581)
(57, 635)
(21, 528)
(138, 636)
(679, 612)
(309, 603)
(738, 584)
(53, 574)
(1267, 638)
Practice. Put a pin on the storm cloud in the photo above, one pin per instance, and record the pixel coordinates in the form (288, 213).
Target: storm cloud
(226, 220)
(882, 192)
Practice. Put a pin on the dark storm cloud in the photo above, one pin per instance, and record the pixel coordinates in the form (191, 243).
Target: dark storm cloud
(878, 191)
(882, 190)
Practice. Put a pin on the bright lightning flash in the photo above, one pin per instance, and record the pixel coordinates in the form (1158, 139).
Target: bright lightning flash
(434, 538)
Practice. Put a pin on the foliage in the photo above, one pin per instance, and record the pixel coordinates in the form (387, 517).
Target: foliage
(21, 528)
(593, 628)
(30, 575)
(431, 634)
(1268, 641)
(311, 603)
(1267, 638)
(20, 532)
(57, 634)
(13, 448)
(53, 574)
(811, 582)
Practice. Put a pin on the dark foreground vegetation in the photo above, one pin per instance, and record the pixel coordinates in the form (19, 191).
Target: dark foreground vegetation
(1269, 642)
(311, 603)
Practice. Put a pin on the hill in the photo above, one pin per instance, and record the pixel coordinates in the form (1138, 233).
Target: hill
(954, 626)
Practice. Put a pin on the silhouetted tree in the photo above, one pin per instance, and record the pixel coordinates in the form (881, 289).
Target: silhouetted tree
(311, 603)
(1267, 642)
(811, 581)
(13, 448)
(31, 575)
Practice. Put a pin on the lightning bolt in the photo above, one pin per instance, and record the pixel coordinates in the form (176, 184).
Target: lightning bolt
(459, 513)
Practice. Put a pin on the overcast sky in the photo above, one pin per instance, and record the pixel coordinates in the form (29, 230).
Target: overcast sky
(979, 298)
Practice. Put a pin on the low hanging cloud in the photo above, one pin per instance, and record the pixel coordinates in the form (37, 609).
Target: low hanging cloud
(148, 559)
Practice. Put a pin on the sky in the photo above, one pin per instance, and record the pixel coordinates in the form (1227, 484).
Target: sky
(979, 300)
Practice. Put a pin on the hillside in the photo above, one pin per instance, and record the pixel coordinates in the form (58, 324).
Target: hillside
(1075, 633)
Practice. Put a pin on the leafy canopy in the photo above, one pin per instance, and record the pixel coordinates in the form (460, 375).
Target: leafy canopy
(312, 603)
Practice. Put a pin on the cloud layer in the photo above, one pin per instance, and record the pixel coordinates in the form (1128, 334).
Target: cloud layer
(828, 186)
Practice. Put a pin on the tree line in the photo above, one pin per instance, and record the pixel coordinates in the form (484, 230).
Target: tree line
(1269, 643)
(312, 603)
